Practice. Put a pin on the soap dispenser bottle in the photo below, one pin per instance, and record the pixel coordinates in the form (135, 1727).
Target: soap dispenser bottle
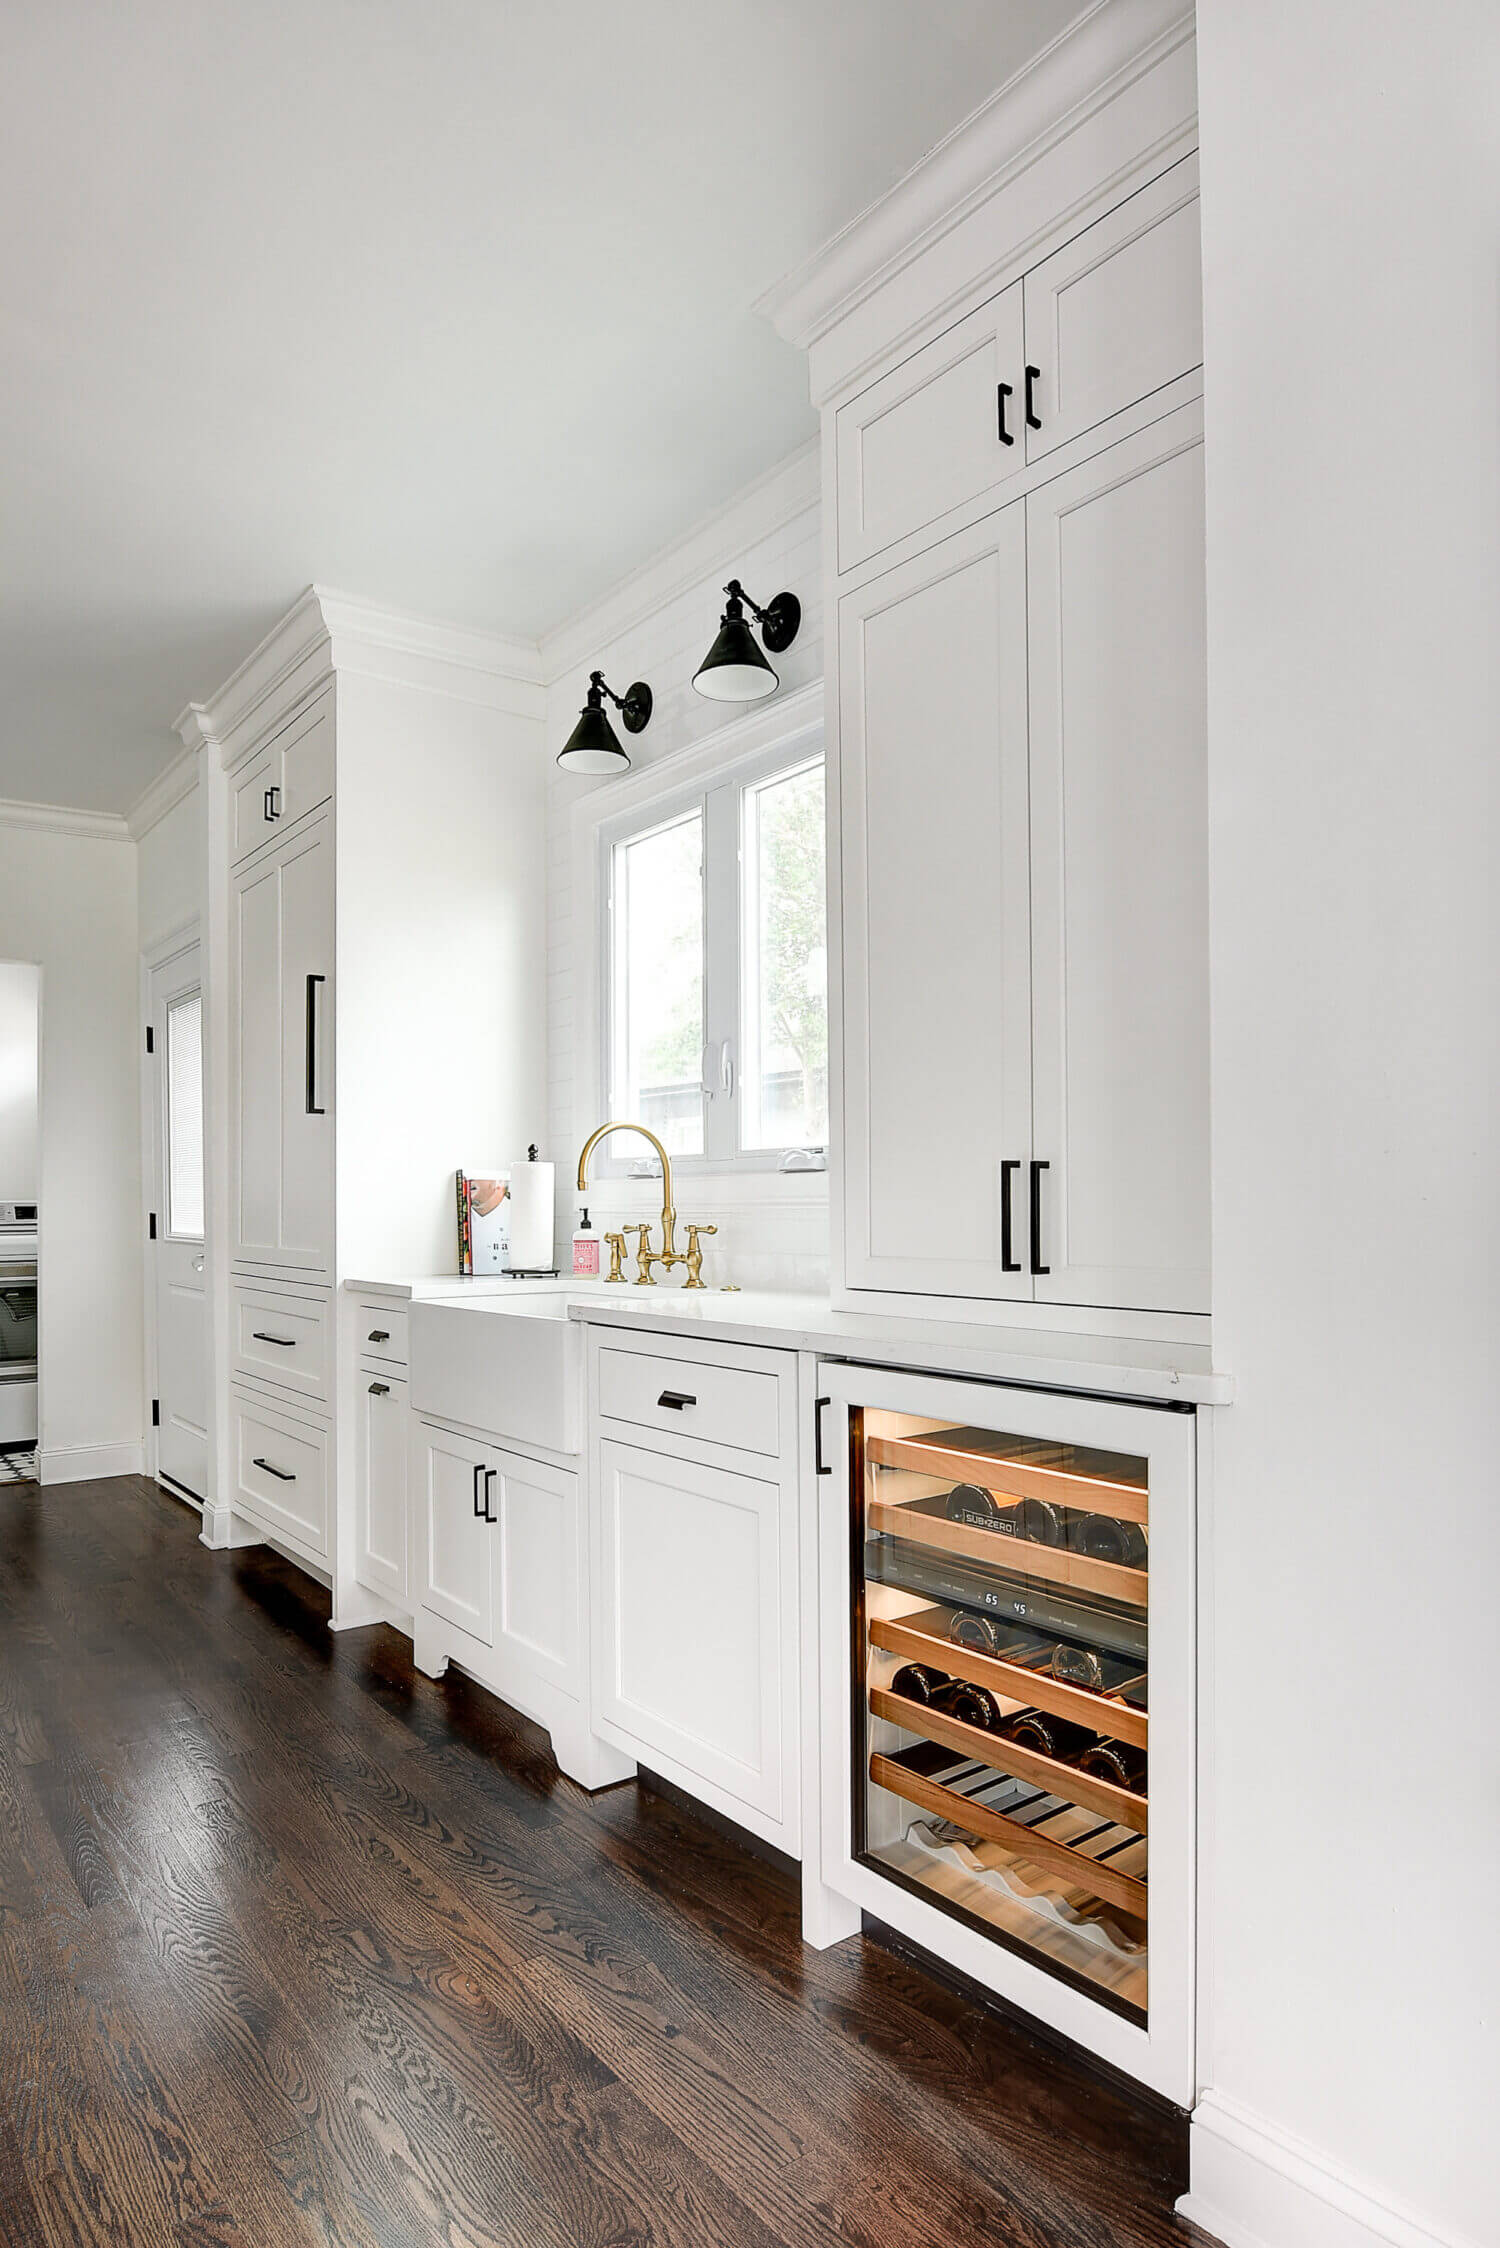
(586, 1250)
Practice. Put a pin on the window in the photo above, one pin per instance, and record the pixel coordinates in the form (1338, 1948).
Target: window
(716, 1023)
(185, 1115)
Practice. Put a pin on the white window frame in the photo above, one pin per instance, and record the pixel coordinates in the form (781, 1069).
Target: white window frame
(738, 755)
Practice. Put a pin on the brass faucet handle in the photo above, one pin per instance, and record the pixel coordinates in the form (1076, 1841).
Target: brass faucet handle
(616, 1244)
(694, 1258)
(645, 1255)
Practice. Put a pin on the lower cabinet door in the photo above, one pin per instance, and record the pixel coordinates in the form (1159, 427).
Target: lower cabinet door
(280, 1470)
(688, 1621)
(455, 1538)
(380, 1466)
(538, 1570)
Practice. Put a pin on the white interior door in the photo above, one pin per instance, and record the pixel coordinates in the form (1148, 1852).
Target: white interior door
(175, 1015)
(1119, 875)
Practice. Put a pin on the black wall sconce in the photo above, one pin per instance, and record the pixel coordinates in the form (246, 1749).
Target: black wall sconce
(594, 746)
(734, 670)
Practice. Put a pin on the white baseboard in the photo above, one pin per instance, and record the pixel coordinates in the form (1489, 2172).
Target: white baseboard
(82, 1463)
(1256, 2186)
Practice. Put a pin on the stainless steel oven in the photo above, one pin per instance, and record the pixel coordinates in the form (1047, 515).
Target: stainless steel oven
(18, 1276)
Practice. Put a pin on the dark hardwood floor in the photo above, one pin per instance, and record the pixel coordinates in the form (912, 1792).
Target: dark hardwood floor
(297, 1947)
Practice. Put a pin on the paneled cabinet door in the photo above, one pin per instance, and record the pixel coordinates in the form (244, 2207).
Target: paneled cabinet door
(1116, 313)
(538, 1565)
(1119, 874)
(281, 1043)
(936, 980)
(455, 1578)
(943, 427)
(380, 1468)
(688, 1621)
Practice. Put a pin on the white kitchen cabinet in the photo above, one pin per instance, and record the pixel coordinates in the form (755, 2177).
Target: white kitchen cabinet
(943, 427)
(381, 1449)
(932, 794)
(281, 1464)
(1116, 314)
(455, 1580)
(695, 1658)
(292, 774)
(1119, 875)
(281, 1139)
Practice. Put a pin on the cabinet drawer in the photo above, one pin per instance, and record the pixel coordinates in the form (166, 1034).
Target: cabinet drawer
(292, 774)
(283, 1338)
(729, 1405)
(381, 1440)
(381, 1332)
(933, 433)
(1117, 313)
(280, 1471)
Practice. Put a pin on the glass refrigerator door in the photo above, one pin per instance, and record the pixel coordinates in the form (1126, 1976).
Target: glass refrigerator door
(1002, 1759)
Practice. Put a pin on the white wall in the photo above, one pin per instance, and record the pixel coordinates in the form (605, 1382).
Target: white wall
(657, 626)
(19, 1155)
(1351, 233)
(172, 867)
(68, 903)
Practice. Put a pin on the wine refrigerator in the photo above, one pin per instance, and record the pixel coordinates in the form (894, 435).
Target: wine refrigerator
(1007, 1729)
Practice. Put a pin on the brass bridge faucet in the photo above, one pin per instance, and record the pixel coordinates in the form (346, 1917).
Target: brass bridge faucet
(646, 1256)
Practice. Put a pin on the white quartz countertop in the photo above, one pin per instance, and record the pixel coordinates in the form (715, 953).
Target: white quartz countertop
(1117, 1366)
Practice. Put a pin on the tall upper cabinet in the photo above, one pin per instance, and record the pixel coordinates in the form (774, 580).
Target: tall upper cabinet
(376, 971)
(1007, 353)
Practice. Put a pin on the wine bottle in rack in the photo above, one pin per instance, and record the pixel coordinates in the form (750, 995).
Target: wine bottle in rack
(971, 1705)
(1118, 1762)
(1104, 1538)
(1046, 1735)
(918, 1682)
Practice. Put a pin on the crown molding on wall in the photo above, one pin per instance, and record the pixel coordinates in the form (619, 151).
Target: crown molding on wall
(1084, 68)
(63, 819)
(715, 543)
(175, 781)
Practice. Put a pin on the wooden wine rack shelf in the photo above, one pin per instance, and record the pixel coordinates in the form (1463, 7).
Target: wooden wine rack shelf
(1103, 1712)
(1083, 1872)
(1054, 1563)
(1016, 1479)
(1117, 1803)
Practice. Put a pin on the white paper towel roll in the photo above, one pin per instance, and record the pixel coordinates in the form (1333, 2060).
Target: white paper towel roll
(531, 1205)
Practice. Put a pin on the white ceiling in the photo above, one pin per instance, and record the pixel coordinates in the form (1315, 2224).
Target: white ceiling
(446, 304)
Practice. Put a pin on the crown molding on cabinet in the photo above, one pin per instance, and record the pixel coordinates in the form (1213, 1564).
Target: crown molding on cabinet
(64, 819)
(718, 542)
(175, 781)
(326, 631)
(1086, 68)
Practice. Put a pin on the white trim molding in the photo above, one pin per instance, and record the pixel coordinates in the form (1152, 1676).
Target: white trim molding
(64, 819)
(86, 1463)
(714, 544)
(1255, 2185)
(1086, 66)
(176, 780)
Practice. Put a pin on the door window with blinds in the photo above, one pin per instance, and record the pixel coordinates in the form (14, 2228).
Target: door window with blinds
(715, 983)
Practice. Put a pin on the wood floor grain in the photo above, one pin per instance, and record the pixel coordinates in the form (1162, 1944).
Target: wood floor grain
(298, 1947)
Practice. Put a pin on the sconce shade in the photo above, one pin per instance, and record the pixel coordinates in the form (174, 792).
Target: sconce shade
(593, 746)
(734, 670)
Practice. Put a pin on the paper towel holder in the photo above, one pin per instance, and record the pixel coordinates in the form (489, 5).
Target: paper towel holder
(530, 1272)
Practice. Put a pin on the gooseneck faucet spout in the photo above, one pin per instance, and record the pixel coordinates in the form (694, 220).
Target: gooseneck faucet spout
(669, 1254)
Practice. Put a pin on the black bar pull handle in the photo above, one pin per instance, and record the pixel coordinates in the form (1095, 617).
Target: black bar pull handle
(1036, 1217)
(280, 1473)
(313, 1106)
(676, 1399)
(1008, 1263)
(380, 1389)
(1005, 390)
(378, 1335)
(478, 1475)
(273, 803)
(1033, 418)
(818, 1461)
(282, 1342)
(489, 1477)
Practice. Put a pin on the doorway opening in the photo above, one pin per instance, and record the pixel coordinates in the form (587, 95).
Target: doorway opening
(176, 1289)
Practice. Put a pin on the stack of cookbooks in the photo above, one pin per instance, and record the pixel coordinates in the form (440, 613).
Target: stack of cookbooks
(483, 1220)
